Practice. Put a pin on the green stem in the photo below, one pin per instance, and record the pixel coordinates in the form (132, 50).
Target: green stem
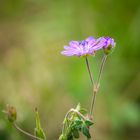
(64, 124)
(26, 133)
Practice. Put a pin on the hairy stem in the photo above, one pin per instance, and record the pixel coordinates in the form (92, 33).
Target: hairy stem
(92, 82)
(64, 125)
(96, 86)
(101, 69)
(92, 102)
(26, 133)
(89, 71)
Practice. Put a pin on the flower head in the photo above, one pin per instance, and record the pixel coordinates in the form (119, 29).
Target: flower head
(83, 48)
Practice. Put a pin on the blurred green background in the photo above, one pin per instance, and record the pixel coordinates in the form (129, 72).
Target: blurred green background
(33, 73)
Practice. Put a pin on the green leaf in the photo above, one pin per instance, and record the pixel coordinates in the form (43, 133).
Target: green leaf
(70, 136)
(85, 131)
(78, 121)
(38, 130)
(78, 107)
(83, 111)
(76, 134)
(88, 122)
(78, 124)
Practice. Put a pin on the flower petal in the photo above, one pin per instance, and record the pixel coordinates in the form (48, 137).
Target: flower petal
(90, 38)
(74, 43)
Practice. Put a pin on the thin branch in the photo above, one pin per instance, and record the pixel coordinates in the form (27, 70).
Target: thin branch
(78, 113)
(64, 125)
(26, 133)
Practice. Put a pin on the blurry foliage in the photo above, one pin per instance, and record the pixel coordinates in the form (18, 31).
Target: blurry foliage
(34, 74)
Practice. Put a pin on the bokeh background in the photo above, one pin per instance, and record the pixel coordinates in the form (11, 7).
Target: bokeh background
(33, 73)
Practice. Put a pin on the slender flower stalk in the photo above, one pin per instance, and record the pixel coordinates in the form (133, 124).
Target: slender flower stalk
(26, 133)
(89, 71)
(101, 68)
(93, 84)
(97, 84)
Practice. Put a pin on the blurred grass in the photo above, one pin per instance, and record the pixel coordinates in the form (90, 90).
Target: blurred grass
(34, 74)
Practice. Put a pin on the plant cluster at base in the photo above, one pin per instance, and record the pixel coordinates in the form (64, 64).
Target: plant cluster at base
(76, 121)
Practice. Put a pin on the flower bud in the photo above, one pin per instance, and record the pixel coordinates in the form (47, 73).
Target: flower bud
(11, 113)
(109, 44)
(108, 50)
